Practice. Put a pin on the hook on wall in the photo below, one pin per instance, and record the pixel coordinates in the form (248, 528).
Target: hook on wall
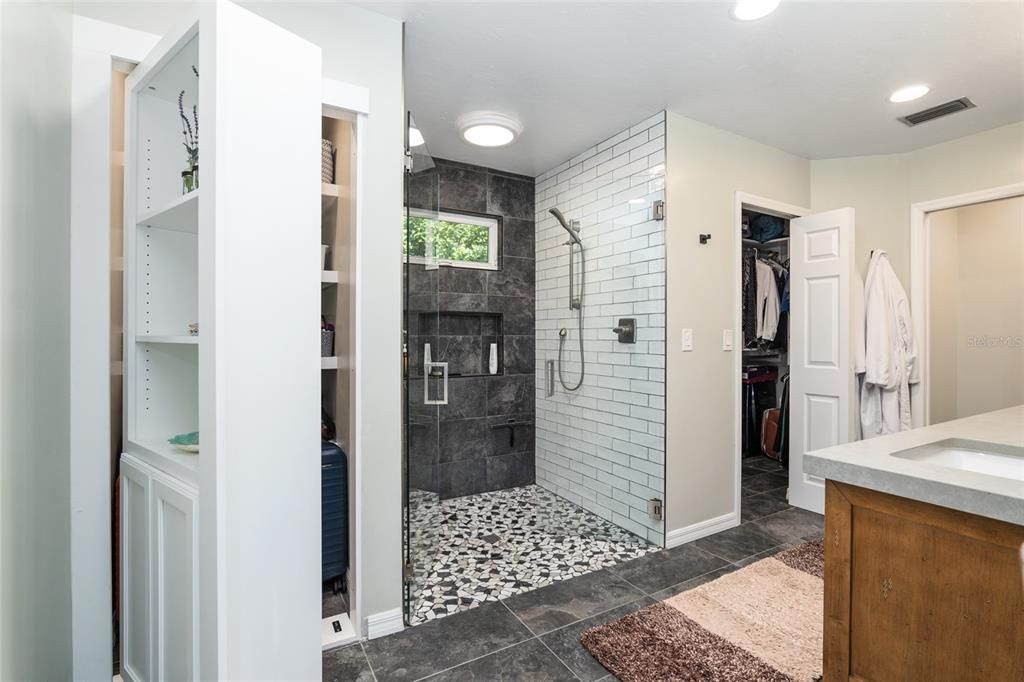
(704, 238)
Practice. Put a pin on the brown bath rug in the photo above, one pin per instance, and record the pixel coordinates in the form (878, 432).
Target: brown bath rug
(762, 622)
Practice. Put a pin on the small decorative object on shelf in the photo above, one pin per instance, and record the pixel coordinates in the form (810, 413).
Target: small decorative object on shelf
(190, 130)
(327, 161)
(187, 442)
(193, 329)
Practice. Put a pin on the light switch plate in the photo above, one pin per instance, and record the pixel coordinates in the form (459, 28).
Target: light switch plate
(687, 340)
(726, 339)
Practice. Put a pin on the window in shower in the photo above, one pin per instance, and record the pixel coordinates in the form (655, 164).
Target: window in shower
(455, 239)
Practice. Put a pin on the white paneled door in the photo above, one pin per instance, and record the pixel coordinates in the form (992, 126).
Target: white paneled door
(822, 386)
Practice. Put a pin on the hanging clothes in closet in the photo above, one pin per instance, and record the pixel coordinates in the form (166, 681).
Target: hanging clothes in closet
(765, 299)
(749, 297)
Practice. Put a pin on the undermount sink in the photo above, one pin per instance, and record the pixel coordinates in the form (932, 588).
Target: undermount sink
(1004, 461)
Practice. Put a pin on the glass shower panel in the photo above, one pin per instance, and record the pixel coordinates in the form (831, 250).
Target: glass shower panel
(426, 381)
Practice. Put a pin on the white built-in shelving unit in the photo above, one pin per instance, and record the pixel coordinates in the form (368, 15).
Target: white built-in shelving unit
(337, 306)
(202, 534)
(159, 490)
(162, 267)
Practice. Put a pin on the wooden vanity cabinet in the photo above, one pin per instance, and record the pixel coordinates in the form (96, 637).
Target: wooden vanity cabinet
(914, 591)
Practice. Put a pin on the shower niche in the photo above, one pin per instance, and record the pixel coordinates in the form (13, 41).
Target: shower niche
(462, 339)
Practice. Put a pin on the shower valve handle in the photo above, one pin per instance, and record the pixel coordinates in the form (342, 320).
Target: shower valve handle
(626, 330)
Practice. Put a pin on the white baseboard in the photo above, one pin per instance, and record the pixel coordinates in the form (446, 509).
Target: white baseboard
(384, 623)
(701, 529)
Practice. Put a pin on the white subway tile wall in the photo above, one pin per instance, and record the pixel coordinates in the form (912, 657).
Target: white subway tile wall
(603, 446)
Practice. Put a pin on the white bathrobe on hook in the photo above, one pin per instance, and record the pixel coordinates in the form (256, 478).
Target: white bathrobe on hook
(890, 352)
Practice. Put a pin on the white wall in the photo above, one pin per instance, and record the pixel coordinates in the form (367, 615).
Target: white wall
(35, 141)
(602, 446)
(943, 318)
(882, 188)
(990, 276)
(706, 168)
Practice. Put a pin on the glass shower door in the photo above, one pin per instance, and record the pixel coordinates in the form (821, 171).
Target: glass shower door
(425, 380)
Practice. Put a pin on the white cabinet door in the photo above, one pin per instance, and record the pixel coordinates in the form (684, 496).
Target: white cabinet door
(159, 598)
(821, 392)
(135, 602)
(174, 620)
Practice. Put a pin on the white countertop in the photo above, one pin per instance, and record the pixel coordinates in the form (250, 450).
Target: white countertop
(870, 464)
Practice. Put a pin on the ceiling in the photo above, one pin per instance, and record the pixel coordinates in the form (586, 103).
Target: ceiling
(812, 79)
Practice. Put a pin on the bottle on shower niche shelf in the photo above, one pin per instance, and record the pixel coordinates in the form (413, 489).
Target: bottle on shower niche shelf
(492, 361)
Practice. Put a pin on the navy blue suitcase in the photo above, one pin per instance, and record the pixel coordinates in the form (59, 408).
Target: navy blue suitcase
(333, 513)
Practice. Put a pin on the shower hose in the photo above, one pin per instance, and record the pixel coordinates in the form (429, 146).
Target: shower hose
(579, 317)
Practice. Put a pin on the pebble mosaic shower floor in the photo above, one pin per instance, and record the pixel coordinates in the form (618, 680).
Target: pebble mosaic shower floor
(486, 547)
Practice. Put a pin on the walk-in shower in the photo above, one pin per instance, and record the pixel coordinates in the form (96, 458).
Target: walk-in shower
(575, 302)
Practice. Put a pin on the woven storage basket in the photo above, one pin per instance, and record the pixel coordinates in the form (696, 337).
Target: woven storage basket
(326, 343)
(327, 161)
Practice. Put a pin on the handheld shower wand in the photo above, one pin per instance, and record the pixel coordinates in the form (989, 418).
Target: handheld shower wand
(575, 303)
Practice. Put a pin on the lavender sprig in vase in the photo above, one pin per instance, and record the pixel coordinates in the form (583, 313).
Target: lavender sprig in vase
(190, 176)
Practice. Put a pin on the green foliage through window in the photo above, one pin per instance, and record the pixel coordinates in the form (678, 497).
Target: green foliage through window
(453, 241)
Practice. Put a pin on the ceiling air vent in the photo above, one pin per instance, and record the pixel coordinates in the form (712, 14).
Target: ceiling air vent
(944, 109)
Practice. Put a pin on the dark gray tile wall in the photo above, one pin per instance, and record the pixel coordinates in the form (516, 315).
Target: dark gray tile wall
(453, 449)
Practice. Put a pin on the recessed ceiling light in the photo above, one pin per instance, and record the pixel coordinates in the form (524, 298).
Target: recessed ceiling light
(751, 10)
(489, 129)
(415, 137)
(911, 92)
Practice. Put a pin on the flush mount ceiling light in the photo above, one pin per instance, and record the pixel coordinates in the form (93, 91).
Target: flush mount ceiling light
(751, 10)
(489, 129)
(415, 137)
(911, 92)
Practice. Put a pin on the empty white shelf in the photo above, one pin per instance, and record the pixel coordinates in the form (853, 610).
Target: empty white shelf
(183, 339)
(180, 215)
(328, 278)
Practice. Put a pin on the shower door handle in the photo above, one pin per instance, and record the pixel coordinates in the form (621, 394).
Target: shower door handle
(428, 371)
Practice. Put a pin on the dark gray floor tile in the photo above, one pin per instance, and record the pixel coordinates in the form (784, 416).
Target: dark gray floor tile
(530, 660)
(761, 464)
(659, 570)
(333, 604)
(754, 558)
(441, 644)
(792, 525)
(775, 493)
(568, 601)
(764, 482)
(347, 664)
(756, 506)
(670, 592)
(565, 642)
(739, 542)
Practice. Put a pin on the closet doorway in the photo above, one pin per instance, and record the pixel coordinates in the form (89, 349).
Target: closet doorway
(794, 380)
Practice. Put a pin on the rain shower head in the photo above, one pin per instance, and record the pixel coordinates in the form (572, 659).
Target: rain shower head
(573, 231)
